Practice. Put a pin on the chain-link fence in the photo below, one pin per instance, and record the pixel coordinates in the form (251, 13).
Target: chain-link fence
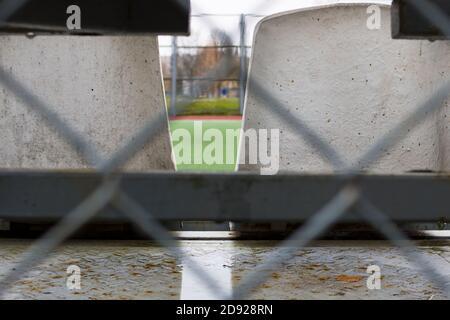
(111, 193)
(186, 73)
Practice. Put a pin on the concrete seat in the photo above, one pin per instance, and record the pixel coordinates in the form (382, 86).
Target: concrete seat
(104, 87)
(349, 83)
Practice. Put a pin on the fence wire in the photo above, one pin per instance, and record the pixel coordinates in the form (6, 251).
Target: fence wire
(109, 192)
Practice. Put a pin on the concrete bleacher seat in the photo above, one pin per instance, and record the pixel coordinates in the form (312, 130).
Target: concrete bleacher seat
(351, 85)
(104, 87)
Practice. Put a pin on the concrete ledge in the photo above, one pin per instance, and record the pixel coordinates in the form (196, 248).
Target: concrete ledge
(350, 84)
(106, 88)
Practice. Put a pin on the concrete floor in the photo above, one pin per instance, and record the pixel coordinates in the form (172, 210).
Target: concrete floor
(142, 270)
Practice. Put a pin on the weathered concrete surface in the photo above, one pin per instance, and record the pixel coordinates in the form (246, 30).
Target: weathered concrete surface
(350, 85)
(105, 87)
(141, 270)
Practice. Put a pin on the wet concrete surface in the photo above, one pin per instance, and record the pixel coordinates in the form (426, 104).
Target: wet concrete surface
(143, 270)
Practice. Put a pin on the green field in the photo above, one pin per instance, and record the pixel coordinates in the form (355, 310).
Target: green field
(198, 146)
(215, 107)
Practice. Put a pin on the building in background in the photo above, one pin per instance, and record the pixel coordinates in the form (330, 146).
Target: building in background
(195, 65)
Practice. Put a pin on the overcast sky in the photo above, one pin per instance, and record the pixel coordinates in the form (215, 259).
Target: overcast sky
(200, 27)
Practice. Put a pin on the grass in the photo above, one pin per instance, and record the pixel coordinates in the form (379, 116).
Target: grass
(196, 147)
(214, 107)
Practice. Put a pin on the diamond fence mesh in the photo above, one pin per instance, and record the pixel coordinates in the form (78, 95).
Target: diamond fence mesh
(109, 192)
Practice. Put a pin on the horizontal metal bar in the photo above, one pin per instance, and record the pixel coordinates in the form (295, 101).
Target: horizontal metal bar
(410, 23)
(101, 17)
(34, 196)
